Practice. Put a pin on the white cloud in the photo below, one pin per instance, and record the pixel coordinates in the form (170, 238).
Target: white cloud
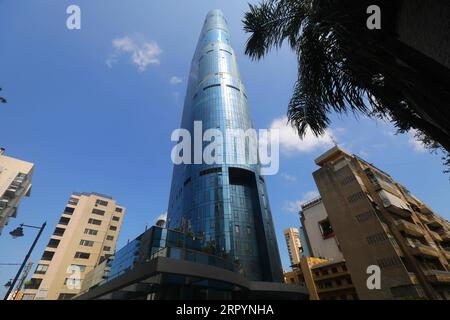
(142, 53)
(417, 145)
(175, 80)
(294, 206)
(288, 177)
(290, 142)
(162, 216)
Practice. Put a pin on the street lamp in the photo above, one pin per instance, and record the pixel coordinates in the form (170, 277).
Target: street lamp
(18, 232)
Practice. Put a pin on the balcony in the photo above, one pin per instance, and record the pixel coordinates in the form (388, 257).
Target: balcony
(424, 218)
(394, 204)
(335, 288)
(437, 276)
(435, 224)
(11, 192)
(435, 236)
(446, 253)
(424, 251)
(445, 235)
(409, 228)
(425, 210)
(4, 203)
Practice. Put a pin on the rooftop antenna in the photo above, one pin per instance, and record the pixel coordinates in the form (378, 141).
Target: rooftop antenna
(333, 138)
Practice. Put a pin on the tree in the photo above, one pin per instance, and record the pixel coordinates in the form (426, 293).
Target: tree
(345, 67)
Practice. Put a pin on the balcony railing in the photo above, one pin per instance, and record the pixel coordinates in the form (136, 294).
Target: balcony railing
(409, 228)
(438, 276)
(425, 251)
(424, 218)
(435, 236)
(445, 234)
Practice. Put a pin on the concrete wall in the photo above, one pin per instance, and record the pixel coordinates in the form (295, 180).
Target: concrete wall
(320, 247)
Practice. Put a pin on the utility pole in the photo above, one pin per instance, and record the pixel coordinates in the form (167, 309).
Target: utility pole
(25, 273)
(18, 232)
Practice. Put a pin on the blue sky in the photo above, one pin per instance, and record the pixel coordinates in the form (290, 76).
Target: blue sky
(94, 110)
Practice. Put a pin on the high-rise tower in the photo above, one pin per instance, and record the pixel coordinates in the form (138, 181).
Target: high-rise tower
(225, 204)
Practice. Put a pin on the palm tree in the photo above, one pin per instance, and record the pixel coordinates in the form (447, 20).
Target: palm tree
(345, 67)
(2, 100)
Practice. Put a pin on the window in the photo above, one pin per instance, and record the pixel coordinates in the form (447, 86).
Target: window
(91, 232)
(47, 255)
(113, 228)
(33, 283)
(95, 221)
(365, 216)
(110, 238)
(69, 210)
(59, 231)
(28, 296)
(106, 248)
(326, 229)
(53, 243)
(41, 269)
(66, 296)
(212, 170)
(377, 238)
(72, 283)
(77, 267)
(236, 228)
(99, 212)
(64, 221)
(356, 197)
(86, 243)
(82, 255)
(115, 218)
(119, 209)
(101, 202)
(73, 201)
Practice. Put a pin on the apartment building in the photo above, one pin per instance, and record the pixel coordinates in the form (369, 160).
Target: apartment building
(377, 221)
(325, 279)
(319, 234)
(84, 237)
(294, 245)
(15, 183)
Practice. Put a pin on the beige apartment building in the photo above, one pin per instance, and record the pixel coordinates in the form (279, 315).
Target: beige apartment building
(294, 246)
(325, 279)
(377, 221)
(84, 237)
(15, 183)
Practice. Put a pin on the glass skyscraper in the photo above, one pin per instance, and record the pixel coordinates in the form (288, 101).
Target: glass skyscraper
(226, 205)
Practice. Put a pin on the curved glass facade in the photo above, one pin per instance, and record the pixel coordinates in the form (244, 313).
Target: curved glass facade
(225, 205)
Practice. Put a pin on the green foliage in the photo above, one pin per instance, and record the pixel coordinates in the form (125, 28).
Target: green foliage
(344, 67)
(2, 100)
